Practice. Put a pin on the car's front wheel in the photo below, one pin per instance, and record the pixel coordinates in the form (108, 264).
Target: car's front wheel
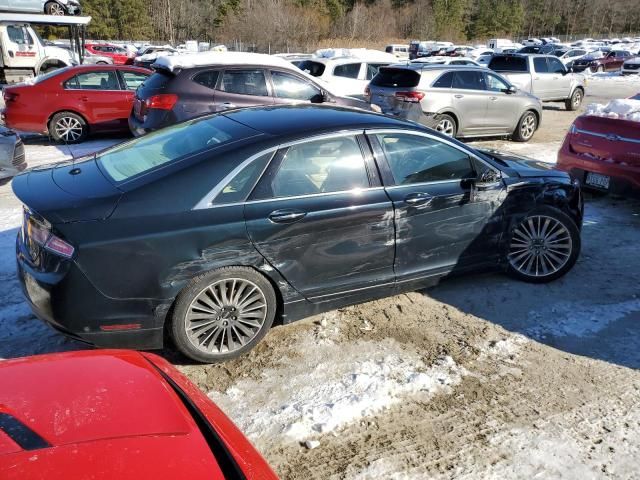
(543, 246)
(527, 126)
(222, 314)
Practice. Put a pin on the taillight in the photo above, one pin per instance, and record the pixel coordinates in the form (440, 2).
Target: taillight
(413, 97)
(41, 234)
(165, 101)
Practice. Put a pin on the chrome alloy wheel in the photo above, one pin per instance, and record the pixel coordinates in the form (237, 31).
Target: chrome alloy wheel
(69, 129)
(446, 126)
(56, 9)
(577, 99)
(225, 316)
(540, 246)
(528, 127)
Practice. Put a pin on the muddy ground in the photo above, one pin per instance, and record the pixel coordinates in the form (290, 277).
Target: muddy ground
(480, 377)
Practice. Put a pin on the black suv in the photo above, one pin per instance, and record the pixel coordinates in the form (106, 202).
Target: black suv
(184, 87)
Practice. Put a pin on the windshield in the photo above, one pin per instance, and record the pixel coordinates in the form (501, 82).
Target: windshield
(594, 55)
(172, 143)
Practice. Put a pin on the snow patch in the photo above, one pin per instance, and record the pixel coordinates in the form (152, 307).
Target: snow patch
(505, 349)
(203, 59)
(383, 468)
(328, 385)
(577, 319)
(620, 109)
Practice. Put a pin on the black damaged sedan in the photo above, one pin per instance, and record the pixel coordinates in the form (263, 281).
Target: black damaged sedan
(207, 231)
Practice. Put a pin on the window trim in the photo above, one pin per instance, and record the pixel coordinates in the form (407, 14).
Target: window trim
(387, 176)
(206, 201)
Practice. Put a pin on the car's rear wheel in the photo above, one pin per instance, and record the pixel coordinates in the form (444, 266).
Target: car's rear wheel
(527, 126)
(575, 101)
(543, 246)
(222, 314)
(446, 124)
(68, 127)
(54, 8)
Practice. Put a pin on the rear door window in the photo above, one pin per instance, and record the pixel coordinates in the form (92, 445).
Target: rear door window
(469, 80)
(540, 65)
(348, 70)
(245, 82)
(292, 87)
(316, 167)
(445, 81)
(373, 69)
(508, 64)
(396, 77)
(94, 81)
(207, 79)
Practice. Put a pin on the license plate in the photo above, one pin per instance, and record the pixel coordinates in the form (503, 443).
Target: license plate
(597, 180)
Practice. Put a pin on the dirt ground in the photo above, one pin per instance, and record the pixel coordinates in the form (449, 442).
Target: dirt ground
(480, 377)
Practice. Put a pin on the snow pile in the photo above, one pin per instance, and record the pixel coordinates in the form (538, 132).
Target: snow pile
(621, 109)
(327, 386)
(203, 59)
(578, 319)
(360, 53)
(383, 468)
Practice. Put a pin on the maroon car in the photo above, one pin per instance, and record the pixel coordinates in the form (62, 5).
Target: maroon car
(603, 153)
(611, 61)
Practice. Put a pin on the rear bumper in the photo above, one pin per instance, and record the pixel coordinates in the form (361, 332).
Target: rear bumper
(625, 179)
(65, 298)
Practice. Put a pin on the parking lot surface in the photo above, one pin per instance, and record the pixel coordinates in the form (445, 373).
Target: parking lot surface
(479, 377)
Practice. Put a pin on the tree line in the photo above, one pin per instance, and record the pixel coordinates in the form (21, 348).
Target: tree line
(281, 25)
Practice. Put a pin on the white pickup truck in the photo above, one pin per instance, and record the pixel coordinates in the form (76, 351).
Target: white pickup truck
(543, 76)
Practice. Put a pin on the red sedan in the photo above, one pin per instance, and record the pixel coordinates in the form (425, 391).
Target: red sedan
(603, 153)
(72, 102)
(115, 415)
(119, 55)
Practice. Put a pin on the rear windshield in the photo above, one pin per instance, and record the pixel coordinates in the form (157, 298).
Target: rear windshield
(158, 148)
(396, 77)
(315, 69)
(47, 76)
(508, 64)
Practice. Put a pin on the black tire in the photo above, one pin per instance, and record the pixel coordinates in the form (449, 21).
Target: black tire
(101, 63)
(526, 128)
(514, 250)
(574, 102)
(188, 299)
(53, 8)
(445, 119)
(77, 128)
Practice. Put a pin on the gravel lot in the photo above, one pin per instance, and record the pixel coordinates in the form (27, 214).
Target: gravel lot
(480, 377)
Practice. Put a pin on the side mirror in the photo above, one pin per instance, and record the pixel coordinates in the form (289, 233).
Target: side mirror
(489, 176)
(511, 90)
(318, 98)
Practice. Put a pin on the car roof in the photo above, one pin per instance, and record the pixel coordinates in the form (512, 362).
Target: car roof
(427, 67)
(299, 120)
(111, 413)
(207, 59)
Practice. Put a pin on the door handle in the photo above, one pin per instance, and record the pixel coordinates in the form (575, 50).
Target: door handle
(537, 78)
(84, 98)
(227, 105)
(418, 199)
(286, 216)
(458, 96)
(493, 98)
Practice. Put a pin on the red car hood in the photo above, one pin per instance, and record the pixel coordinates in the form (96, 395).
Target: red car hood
(110, 414)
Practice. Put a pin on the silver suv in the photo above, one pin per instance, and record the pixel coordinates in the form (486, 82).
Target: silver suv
(460, 101)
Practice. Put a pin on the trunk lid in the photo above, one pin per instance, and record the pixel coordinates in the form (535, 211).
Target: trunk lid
(153, 85)
(611, 140)
(387, 83)
(67, 192)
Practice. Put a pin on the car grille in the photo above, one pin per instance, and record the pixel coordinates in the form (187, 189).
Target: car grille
(18, 154)
(632, 66)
